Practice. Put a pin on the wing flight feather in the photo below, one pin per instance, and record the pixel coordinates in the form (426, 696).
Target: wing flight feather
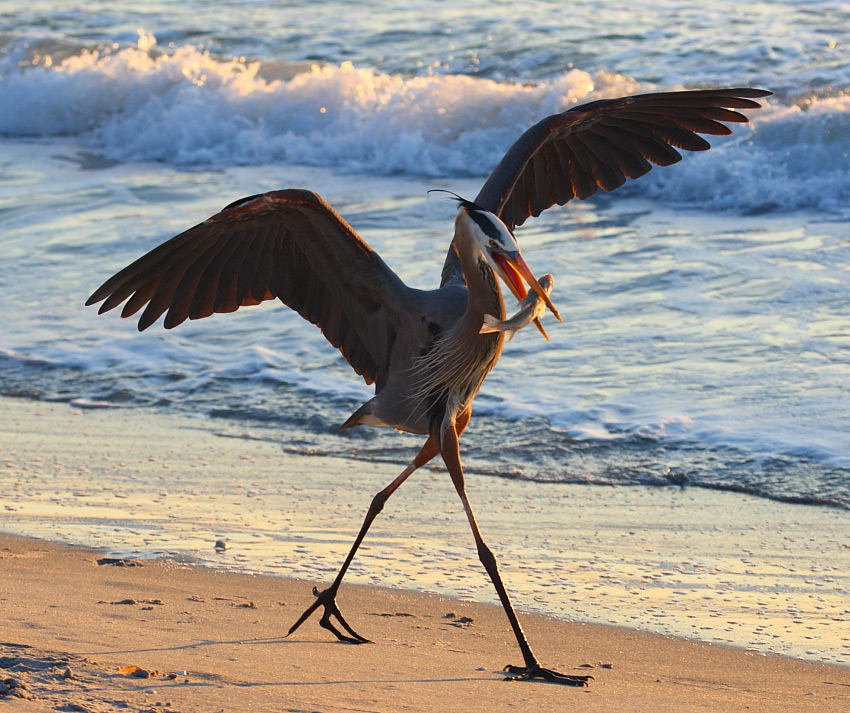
(288, 245)
(647, 127)
(600, 145)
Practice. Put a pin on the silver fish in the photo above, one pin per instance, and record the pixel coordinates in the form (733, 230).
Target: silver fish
(531, 309)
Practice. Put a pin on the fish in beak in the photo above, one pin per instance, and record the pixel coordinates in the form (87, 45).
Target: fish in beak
(513, 270)
(530, 310)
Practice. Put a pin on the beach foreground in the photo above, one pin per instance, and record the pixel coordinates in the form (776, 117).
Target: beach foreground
(137, 484)
(211, 641)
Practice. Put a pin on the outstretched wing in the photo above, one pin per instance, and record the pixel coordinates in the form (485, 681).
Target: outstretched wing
(288, 245)
(600, 145)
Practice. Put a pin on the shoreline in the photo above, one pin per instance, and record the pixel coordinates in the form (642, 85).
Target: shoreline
(706, 566)
(82, 632)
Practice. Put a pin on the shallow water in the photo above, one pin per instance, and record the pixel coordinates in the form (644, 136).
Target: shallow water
(706, 305)
(696, 353)
(721, 567)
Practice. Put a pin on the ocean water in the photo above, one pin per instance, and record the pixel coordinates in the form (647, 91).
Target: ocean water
(706, 340)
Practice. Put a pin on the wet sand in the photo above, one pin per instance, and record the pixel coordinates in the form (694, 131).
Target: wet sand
(716, 567)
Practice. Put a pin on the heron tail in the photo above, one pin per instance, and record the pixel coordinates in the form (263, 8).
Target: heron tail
(360, 416)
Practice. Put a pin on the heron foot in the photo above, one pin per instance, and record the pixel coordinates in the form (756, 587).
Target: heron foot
(327, 599)
(536, 671)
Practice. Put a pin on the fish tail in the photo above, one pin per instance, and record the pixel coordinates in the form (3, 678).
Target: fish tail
(491, 324)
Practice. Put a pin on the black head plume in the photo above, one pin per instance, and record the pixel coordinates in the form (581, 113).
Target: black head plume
(485, 220)
(469, 205)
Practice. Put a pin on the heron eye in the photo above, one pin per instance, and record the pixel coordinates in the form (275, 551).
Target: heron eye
(494, 244)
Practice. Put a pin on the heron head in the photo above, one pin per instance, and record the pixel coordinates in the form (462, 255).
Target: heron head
(499, 246)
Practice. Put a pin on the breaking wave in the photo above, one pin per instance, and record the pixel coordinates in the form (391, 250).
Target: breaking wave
(182, 105)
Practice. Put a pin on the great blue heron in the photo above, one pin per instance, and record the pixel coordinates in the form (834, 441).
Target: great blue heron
(422, 349)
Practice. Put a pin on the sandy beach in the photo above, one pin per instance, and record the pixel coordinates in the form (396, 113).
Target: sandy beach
(75, 625)
(211, 616)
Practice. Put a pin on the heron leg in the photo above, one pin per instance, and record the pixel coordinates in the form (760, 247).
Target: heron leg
(327, 598)
(532, 669)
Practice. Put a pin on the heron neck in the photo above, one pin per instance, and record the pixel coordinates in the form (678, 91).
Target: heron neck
(485, 294)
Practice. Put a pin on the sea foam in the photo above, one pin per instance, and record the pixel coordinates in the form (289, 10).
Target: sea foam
(183, 106)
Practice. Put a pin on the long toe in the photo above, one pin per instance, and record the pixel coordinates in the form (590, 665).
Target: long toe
(529, 673)
(327, 600)
(355, 638)
(306, 615)
(333, 610)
